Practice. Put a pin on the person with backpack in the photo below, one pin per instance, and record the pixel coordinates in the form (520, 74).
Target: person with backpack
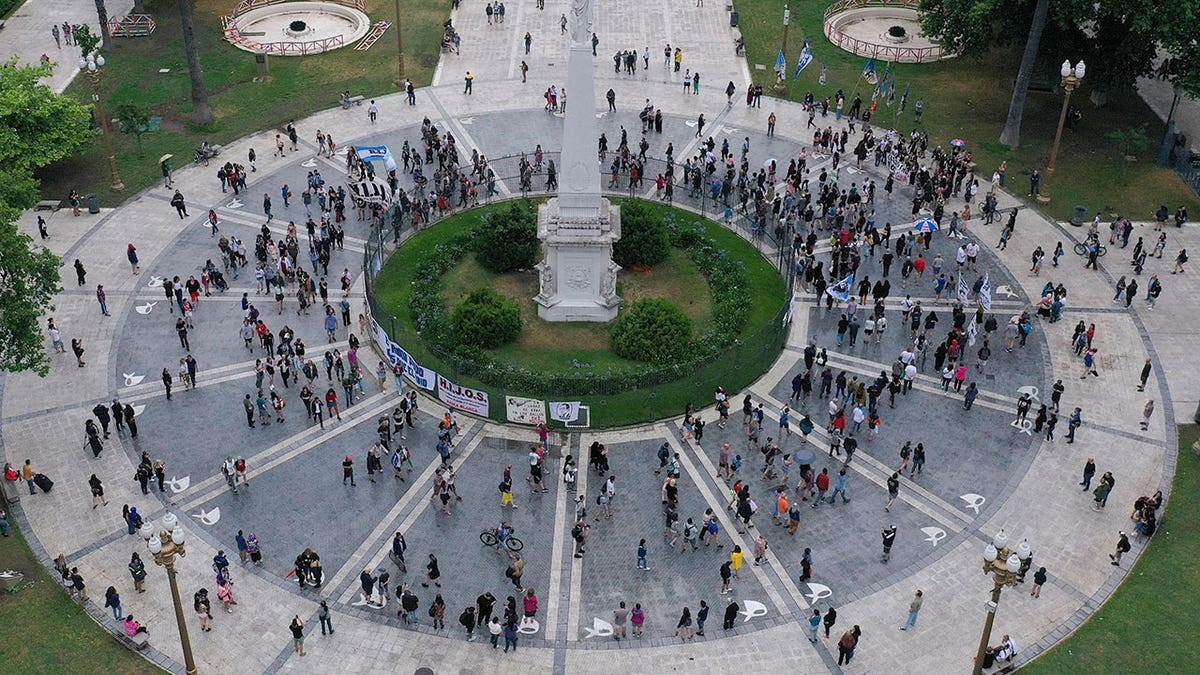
(579, 534)
(664, 454)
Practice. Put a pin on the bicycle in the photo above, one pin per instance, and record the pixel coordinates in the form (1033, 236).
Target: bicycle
(489, 538)
(1082, 249)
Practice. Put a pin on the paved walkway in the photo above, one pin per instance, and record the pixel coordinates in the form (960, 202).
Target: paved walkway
(27, 35)
(983, 474)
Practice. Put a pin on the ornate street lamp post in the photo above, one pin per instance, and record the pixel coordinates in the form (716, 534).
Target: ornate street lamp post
(165, 545)
(1071, 77)
(1003, 564)
(94, 65)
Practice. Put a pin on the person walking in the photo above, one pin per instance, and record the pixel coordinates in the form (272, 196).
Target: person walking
(1147, 411)
(829, 620)
(914, 608)
(893, 488)
(1122, 548)
(97, 490)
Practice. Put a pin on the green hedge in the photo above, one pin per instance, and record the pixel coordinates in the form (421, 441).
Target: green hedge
(506, 239)
(486, 319)
(652, 330)
(644, 241)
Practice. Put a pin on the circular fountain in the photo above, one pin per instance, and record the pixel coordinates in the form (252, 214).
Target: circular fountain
(885, 30)
(296, 28)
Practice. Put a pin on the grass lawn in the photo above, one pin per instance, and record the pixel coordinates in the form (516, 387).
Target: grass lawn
(553, 347)
(550, 346)
(968, 99)
(294, 88)
(1148, 624)
(48, 632)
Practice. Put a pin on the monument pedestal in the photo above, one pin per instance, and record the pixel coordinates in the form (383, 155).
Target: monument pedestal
(578, 276)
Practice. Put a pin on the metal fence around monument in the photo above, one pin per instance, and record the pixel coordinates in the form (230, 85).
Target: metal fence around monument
(752, 354)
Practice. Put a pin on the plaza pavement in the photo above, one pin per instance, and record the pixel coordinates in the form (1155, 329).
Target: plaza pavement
(1029, 486)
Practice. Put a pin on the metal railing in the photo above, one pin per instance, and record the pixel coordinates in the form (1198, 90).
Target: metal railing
(1188, 169)
(883, 52)
(753, 354)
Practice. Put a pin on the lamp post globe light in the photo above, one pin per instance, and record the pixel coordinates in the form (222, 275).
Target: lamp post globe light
(1004, 565)
(1071, 77)
(165, 545)
(94, 66)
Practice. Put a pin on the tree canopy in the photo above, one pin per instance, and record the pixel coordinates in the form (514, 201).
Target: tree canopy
(37, 127)
(1118, 39)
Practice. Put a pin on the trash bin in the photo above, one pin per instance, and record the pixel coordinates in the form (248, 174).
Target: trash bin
(93, 203)
(733, 19)
(1078, 215)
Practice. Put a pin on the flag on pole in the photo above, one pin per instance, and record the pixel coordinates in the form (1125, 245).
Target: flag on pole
(972, 333)
(780, 61)
(821, 79)
(887, 72)
(985, 293)
(891, 97)
(841, 290)
(806, 57)
(964, 291)
(904, 98)
(869, 73)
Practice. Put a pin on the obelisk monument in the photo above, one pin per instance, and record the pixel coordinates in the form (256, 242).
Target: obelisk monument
(578, 227)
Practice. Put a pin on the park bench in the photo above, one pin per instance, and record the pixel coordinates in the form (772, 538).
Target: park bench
(353, 100)
(136, 642)
(48, 205)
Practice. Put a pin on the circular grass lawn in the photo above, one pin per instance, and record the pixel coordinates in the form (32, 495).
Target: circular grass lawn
(581, 349)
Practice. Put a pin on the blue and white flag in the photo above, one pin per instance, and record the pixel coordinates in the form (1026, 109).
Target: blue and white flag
(985, 293)
(869, 73)
(821, 79)
(781, 65)
(806, 57)
(964, 291)
(841, 290)
(904, 98)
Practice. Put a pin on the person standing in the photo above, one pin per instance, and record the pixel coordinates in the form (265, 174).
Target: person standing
(830, 620)
(297, 628)
(1074, 422)
(102, 299)
(814, 623)
(893, 488)
(112, 600)
(889, 538)
(467, 80)
(914, 607)
(1089, 470)
(323, 615)
(348, 472)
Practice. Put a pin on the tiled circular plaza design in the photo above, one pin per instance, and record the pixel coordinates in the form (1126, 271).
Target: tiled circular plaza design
(982, 473)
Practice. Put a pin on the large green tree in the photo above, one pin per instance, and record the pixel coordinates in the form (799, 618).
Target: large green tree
(201, 110)
(37, 127)
(1119, 39)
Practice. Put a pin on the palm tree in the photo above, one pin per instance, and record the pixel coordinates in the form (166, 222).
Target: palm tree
(1011, 136)
(201, 111)
(102, 14)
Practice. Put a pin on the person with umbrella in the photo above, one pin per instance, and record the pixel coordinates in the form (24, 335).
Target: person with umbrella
(165, 164)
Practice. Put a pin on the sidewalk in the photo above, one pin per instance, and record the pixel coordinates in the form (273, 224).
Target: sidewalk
(26, 34)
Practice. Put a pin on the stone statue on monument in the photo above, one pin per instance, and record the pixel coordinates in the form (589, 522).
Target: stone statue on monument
(581, 22)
